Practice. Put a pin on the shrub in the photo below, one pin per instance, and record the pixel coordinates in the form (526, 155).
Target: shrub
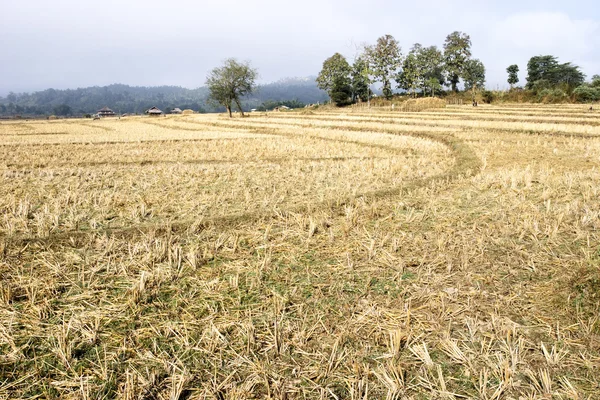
(552, 96)
(587, 93)
(488, 96)
(541, 85)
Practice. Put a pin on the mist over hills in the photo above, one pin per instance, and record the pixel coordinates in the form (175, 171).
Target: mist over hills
(136, 99)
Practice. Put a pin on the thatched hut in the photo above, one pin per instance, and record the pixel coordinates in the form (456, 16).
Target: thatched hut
(154, 112)
(106, 112)
(176, 110)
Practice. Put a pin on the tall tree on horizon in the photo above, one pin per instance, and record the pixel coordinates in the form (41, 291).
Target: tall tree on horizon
(360, 79)
(412, 75)
(546, 71)
(457, 50)
(474, 76)
(341, 92)
(540, 68)
(513, 75)
(433, 69)
(385, 58)
(334, 67)
(230, 82)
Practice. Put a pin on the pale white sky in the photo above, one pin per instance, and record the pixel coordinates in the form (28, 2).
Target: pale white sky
(78, 43)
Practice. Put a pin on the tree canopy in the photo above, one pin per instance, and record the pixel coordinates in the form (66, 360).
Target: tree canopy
(474, 75)
(228, 83)
(457, 51)
(413, 70)
(334, 67)
(360, 79)
(546, 71)
(341, 92)
(433, 69)
(385, 58)
(422, 70)
(513, 74)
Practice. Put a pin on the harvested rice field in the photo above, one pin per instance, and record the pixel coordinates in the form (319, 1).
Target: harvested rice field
(326, 254)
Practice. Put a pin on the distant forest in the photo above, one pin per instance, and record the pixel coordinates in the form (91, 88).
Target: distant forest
(293, 92)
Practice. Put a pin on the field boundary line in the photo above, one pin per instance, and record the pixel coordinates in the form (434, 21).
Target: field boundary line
(274, 160)
(390, 121)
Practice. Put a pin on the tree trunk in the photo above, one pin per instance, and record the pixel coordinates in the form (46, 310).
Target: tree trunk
(229, 111)
(237, 102)
(454, 80)
(387, 89)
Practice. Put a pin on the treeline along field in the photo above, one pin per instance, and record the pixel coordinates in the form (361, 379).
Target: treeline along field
(452, 253)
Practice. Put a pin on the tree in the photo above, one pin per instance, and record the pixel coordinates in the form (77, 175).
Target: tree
(548, 70)
(360, 79)
(433, 84)
(412, 75)
(341, 91)
(540, 68)
(433, 69)
(595, 81)
(474, 75)
(568, 75)
(513, 75)
(457, 50)
(230, 82)
(334, 67)
(385, 58)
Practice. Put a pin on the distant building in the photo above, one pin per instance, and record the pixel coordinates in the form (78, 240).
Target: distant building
(106, 112)
(154, 112)
(176, 110)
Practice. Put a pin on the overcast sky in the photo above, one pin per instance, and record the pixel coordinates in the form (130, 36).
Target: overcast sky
(77, 43)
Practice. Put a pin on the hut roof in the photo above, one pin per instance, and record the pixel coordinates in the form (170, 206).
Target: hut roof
(154, 110)
(176, 109)
(105, 109)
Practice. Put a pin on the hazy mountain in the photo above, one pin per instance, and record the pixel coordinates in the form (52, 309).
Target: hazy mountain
(136, 99)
